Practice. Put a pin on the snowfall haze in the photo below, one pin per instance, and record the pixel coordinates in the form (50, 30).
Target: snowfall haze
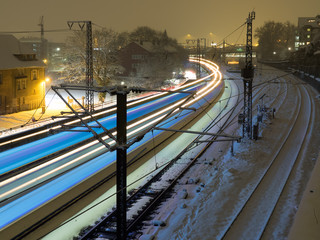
(213, 20)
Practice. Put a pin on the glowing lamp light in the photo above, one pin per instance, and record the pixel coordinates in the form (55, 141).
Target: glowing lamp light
(190, 75)
(233, 62)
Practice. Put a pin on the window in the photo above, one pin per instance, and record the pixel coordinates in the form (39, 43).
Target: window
(308, 29)
(34, 74)
(308, 36)
(135, 65)
(23, 83)
(138, 56)
(0, 100)
(311, 20)
(18, 84)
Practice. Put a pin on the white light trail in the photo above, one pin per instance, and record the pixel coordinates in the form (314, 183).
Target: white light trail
(200, 93)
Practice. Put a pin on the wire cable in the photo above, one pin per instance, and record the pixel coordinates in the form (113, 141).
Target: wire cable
(35, 31)
(232, 33)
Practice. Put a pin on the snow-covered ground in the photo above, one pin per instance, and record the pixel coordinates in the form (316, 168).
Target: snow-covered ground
(89, 217)
(224, 179)
(25, 120)
(229, 180)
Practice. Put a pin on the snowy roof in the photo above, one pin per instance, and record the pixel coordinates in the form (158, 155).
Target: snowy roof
(14, 55)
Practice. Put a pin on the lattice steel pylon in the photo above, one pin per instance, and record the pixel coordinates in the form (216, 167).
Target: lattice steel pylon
(247, 73)
(89, 100)
(198, 53)
(199, 57)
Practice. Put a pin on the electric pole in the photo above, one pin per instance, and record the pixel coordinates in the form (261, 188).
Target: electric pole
(89, 101)
(122, 163)
(204, 47)
(198, 53)
(247, 74)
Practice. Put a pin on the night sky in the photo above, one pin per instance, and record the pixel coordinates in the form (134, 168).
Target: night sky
(209, 19)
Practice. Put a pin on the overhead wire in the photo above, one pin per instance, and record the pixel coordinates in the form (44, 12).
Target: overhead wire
(231, 33)
(35, 111)
(108, 197)
(34, 31)
(162, 165)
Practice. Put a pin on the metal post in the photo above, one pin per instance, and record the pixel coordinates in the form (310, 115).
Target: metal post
(121, 164)
(199, 56)
(247, 74)
(89, 70)
(223, 51)
(89, 62)
(232, 153)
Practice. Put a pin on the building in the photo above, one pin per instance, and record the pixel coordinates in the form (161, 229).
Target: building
(134, 55)
(308, 28)
(137, 55)
(37, 45)
(22, 75)
(49, 52)
(55, 56)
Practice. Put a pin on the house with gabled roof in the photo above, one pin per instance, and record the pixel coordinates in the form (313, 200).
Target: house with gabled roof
(139, 53)
(22, 77)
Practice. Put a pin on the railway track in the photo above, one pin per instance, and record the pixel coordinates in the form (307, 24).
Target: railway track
(151, 196)
(273, 220)
(106, 227)
(253, 220)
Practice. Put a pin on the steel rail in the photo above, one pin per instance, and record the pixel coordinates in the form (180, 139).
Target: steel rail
(229, 228)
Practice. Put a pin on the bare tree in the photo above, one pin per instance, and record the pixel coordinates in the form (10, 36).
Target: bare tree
(275, 39)
(106, 43)
(166, 55)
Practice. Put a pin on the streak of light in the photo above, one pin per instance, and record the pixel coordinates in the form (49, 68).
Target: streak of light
(200, 93)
